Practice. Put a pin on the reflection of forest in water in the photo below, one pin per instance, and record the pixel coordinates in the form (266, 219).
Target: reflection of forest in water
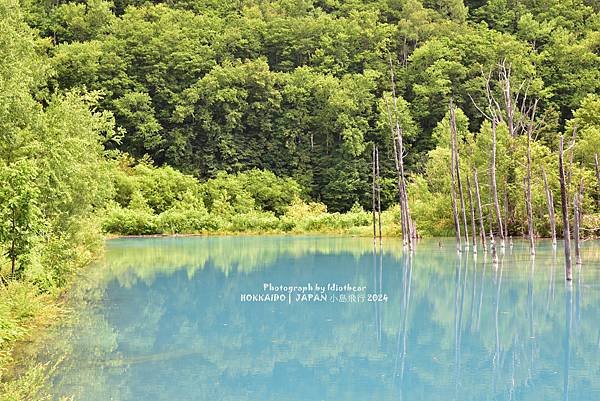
(161, 319)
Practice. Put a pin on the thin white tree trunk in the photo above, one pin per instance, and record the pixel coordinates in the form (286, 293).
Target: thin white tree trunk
(373, 194)
(472, 207)
(565, 211)
(463, 208)
(597, 176)
(530, 223)
(453, 163)
(378, 190)
(495, 185)
(481, 223)
(577, 222)
(550, 202)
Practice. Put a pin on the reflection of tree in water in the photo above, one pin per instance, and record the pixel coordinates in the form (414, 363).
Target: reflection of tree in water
(175, 329)
(567, 341)
(133, 259)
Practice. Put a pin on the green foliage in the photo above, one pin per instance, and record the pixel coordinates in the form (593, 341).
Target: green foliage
(253, 201)
(187, 216)
(242, 192)
(317, 219)
(18, 304)
(587, 122)
(254, 221)
(432, 211)
(299, 89)
(270, 193)
(20, 216)
(133, 220)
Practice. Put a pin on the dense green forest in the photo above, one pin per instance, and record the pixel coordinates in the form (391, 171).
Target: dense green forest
(297, 87)
(139, 117)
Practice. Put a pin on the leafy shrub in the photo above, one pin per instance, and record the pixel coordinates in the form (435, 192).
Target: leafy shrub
(225, 195)
(356, 217)
(187, 216)
(431, 211)
(177, 220)
(125, 186)
(161, 187)
(299, 209)
(254, 221)
(287, 224)
(127, 221)
(250, 190)
(270, 193)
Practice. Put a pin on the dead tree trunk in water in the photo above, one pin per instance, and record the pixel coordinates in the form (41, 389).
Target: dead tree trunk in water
(472, 207)
(407, 236)
(569, 172)
(399, 176)
(577, 222)
(530, 227)
(506, 213)
(373, 194)
(463, 205)
(550, 201)
(378, 189)
(565, 211)
(453, 163)
(516, 111)
(406, 220)
(404, 193)
(530, 235)
(597, 176)
(463, 208)
(495, 185)
(576, 227)
(481, 224)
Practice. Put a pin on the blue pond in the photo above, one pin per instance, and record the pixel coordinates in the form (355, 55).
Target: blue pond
(329, 319)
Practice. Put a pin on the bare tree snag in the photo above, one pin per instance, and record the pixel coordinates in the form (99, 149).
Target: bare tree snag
(481, 224)
(530, 227)
(494, 183)
(463, 208)
(504, 76)
(550, 202)
(399, 176)
(373, 193)
(571, 147)
(597, 176)
(565, 211)
(407, 236)
(378, 189)
(576, 227)
(453, 169)
(577, 198)
(463, 205)
(473, 226)
(403, 194)
(507, 214)
(515, 111)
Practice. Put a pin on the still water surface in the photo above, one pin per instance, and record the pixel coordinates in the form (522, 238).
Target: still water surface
(195, 319)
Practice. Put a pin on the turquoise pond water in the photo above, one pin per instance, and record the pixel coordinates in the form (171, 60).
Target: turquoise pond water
(213, 318)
